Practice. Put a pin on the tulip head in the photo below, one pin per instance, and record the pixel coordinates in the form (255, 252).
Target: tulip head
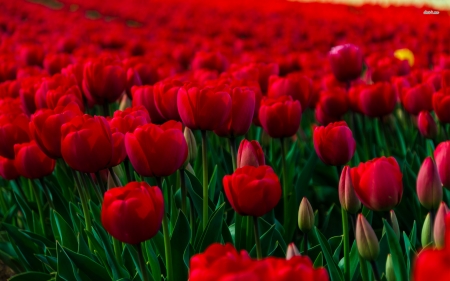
(305, 216)
(366, 240)
(250, 153)
(427, 232)
(439, 225)
(292, 251)
(347, 196)
(429, 186)
(426, 124)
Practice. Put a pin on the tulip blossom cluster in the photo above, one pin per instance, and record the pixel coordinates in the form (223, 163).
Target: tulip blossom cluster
(204, 140)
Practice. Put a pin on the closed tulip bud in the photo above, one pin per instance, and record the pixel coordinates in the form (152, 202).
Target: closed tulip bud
(378, 100)
(292, 251)
(250, 154)
(334, 144)
(439, 225)
(346, 62)
(8, 170)
(31, 162)
(429, 186)
(347, 196)
(133, 213)
(165, 94)
(366, 240)
(192, 146)
(390, 271)
(427, 125)
(144, 96)
(418, 98)
(394, 223)
(427, 232)
(13, 130)
(280, 117)
(442, 157)
(378, 183)
(305, 216)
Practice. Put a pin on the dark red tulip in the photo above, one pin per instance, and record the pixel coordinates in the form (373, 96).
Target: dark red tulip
(442, 157)
(129, 119)
(45, 128)
(28, 88)
(441, 104)
(157, 151)
(210, 60)
(165, 94)
(298, 86)
(133, 79)
(429, 185)
(88, 145)
(144, 96)
(31, 162)
(133, 214)
(346, 62)
(426, 124)
(334, 144)
(418, 98)
(31, 54)
(333, 103)
(53, 63)
(13, 130)
(205, 108)
(62, 97)
(378, 183)
(104, 80)
(8, 169)
(378, 100)
(242, 112)
(252, 191)
(280, 117)
(250, 153)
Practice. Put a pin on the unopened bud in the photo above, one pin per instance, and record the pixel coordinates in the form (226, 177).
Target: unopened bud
(390, 272)
(305, 216)
(292, 251)
(439, 226)
(347, 196)
(427, 232)
(429, 185)
(394, 223)
(250, 153)
(366, 240)
(192, 146)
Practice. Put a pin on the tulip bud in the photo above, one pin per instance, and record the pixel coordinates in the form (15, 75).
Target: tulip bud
(394, 223)
(427, 125)
(250, 154)
(390, 272)
(192, 146)
(366, 240)
(292, 251)
(429, 186)
(305, 216)
(427, 232)
(439, 225)
(347, 196)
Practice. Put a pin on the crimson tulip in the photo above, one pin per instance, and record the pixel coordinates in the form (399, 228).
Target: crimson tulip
(280, 117)
(334, 144)
(429, 185)
(165, 94)
(144, 96)
(378, 100)
(157, 151)
(129, 119)
(332, 103)
(13, 130)
(250, 153)
(441, 104)
(31, 162)
(442, 157)
(426, 124)
(8, 169)
(418, 98)
(346, 62)
(133, 214)
(378, 183)
(298, 86)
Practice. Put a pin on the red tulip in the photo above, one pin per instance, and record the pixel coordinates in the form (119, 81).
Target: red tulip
(88, 145)
(332, 105)
(133, 213)
(13, 130)
(440, 225)
(250, 153)
(165, 95)
(427, 125)
(378, 100)
(62, 97)
(31, 162)
(242, 112)
(45, 128)
(441, 104)
(8, 170)
(129, 119)
(280, 117)
(210, 60)
(334, 144)
(144, 96)
(205, 108)
(133, 79)
(347, 195)
(442, 157)
(104, 80)
(346, 62)
(298, 86)
(378, 183)
(157, 151)
(418, 98)
(27, 92)
(252, 191)
(53, 63)
(429, 185)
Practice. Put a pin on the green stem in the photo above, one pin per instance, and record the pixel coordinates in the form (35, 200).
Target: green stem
(248, 234)
(363, 268)
(106, 109)
(38, 202)
(345, 233)
(84, 206)
(237, 231)
(96, 188)
(183, 191)
(142, 266)
(376, 272)
(445, 131)
(113, 176)
(257, 238)
(117, 250)
(100, 182)
(3, 203)
(285, 185)
(205, 180)
(232, 145)
(305, 244)
(167, 246)
(46, 193)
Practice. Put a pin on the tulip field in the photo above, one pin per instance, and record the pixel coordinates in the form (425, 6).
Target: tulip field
(223, 140)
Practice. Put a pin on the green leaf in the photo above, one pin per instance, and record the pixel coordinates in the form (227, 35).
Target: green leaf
(63, 232)
(212, 184)
(134, 255)
(66, 268)
(319, 261)
(213, 229)
(153, 260)
(27, 276)
(333, 269)
(413, 236)
(88, 266)
(396, 253)
(305, 176)
(180, 240)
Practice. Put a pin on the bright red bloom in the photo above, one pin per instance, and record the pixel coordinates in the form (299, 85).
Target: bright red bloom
(378, 183)
(334, 144)
(133, 213)
(13, 130)
(31, 162)
(426, 124)
(441, 104)
(157, 151)
(165, 94)
(252, 191)
(332, 103)
(442, 157)
(280, 117)
(8, 170)
(346, 62)
(418, 98)
(250, 153)
(298, 86)
(53, 63)
(210, 60)
(378, 99)
(129, 119)
(144, 96)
